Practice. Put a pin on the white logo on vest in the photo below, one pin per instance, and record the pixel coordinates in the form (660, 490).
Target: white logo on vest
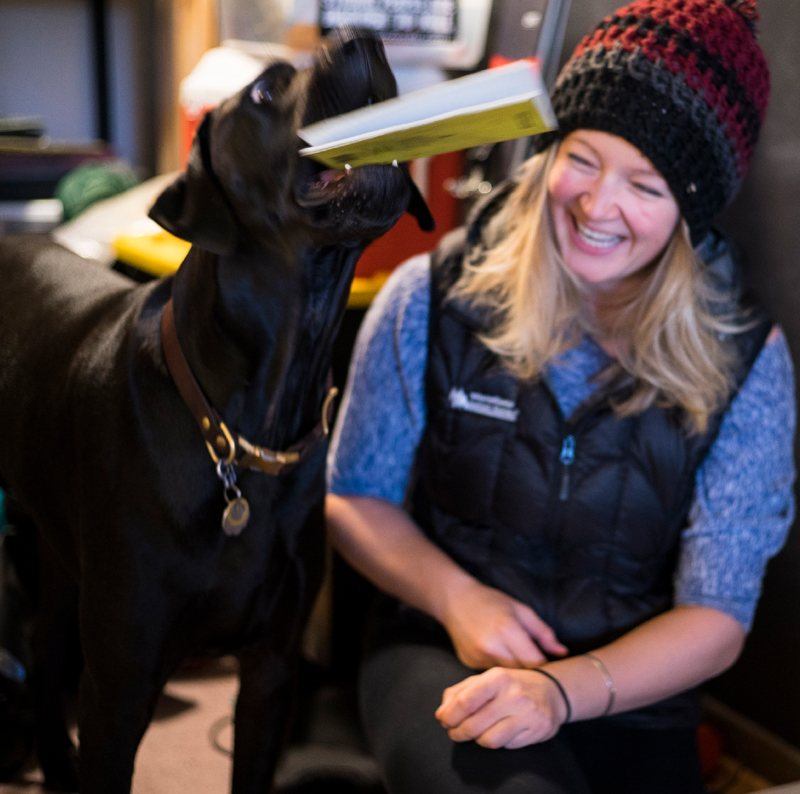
(484, 404)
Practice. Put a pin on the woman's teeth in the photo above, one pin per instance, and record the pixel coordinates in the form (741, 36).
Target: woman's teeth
(597, 239)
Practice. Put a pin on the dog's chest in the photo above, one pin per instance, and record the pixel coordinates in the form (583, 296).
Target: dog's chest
(261, 598)
(247, 585)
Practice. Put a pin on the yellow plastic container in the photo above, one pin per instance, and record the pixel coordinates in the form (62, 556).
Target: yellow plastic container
(161, 254)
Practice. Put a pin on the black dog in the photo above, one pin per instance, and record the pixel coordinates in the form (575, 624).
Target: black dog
(99, 446)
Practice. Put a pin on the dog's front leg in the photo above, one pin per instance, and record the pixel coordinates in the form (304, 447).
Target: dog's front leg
(112, 720)
(261, 719)
(131, 642)
(56, 664)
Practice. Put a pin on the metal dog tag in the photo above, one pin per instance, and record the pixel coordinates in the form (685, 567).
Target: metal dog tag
(236, 515)
(237, 510)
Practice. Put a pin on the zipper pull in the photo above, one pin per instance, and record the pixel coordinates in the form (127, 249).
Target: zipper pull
(567, 457)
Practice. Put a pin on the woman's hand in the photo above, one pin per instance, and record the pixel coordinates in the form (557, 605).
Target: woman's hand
(502, 708)
(489, 628)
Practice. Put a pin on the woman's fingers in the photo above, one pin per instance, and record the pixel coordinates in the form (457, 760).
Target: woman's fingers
(501, 734)
(490, 628)
(493, 727)
(477, 723)
(500, 708)
(539, 630)
(525, 651)
(492, 651)
(465, 698)
(522, 739)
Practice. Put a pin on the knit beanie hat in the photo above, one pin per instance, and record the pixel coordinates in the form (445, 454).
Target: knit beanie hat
(684, 81)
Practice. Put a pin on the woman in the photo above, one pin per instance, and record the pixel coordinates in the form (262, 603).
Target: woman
(600, 430)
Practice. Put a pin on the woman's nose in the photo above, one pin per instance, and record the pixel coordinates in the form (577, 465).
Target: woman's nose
(599, 201)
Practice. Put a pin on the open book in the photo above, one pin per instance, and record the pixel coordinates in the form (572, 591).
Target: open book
(485, 107)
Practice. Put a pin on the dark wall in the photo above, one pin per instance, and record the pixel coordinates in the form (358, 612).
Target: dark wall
(765, 222)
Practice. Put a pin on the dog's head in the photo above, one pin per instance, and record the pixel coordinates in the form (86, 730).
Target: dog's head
(246, 178)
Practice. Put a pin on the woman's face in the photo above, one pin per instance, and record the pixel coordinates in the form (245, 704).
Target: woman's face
(612, 211)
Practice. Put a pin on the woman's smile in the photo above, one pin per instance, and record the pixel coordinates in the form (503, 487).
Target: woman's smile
(612, 211)
(593, 241)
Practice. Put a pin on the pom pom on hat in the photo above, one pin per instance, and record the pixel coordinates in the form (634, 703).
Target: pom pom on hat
(748, 9)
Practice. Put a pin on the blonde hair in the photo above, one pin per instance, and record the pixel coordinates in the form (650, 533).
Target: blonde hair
(661, 323)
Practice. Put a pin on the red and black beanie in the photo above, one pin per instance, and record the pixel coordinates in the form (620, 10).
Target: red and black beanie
(684, 81)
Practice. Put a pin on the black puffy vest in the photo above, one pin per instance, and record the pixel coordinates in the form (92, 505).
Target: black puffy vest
(580, 518)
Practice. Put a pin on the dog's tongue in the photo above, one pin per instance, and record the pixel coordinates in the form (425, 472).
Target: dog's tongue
(330, 175)
(319, 186)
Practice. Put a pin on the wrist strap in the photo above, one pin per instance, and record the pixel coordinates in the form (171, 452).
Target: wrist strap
(607, 680)
(561, 690)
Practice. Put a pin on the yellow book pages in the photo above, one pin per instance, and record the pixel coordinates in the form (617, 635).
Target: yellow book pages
(461, 131)
(484, 107)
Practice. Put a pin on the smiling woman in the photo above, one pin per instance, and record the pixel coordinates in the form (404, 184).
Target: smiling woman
(613, 212)
(589, 240)
(579, 384)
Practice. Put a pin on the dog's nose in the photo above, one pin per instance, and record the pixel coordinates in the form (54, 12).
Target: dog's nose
(260, 93)
(272, 84)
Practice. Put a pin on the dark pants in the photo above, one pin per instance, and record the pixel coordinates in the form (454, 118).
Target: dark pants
(400, 687)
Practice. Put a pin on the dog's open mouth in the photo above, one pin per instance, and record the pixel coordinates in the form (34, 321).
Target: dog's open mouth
(322, 184)
(356, 202)
(350, 71)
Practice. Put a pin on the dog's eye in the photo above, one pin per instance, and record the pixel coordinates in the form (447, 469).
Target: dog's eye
(260, 93)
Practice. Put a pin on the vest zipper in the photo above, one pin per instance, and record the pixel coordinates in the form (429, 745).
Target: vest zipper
(567, 458)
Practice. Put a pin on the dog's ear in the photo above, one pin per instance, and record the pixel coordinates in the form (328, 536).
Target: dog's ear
(193, 207)
(417, 206)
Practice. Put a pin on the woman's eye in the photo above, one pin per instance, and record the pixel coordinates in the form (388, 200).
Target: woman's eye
(647, 190)
(582, 161)
(260, 93)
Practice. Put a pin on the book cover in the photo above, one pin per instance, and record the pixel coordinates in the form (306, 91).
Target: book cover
(485, 107)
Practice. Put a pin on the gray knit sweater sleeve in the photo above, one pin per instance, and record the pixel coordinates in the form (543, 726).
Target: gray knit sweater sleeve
(743, 504)
(382, 415)
(743, 501)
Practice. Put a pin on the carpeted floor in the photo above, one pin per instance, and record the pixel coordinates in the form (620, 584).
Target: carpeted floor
(186, 747)
(177, 754)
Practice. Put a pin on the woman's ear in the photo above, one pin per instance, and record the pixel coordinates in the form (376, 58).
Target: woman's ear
(193, 207)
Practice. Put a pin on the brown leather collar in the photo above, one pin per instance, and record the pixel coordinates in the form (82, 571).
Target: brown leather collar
(224, 445)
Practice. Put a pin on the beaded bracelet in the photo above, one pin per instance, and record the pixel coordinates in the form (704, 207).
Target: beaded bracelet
(561, 690)
(607, 680)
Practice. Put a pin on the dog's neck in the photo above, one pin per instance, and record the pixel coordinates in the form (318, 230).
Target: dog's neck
(258, 333)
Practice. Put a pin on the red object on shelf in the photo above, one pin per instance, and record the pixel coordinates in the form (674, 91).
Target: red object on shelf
(406, 238)
(188, 122)
(500, 60)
